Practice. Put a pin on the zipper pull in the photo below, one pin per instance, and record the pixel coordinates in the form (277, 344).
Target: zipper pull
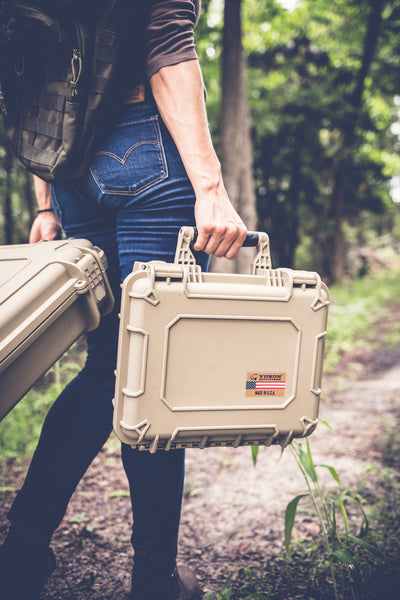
(76, 66)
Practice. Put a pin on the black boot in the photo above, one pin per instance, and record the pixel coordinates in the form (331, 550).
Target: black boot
(156, 577)
(183, 585)
(24, 569)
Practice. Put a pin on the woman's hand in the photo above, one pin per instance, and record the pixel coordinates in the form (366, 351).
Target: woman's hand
(45, 227)
(220, 229)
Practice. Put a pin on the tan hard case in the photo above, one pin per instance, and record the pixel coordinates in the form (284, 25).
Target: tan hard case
(209, 359)
(50, 293)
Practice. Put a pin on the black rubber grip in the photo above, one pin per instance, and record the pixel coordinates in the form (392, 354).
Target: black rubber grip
(251, 238)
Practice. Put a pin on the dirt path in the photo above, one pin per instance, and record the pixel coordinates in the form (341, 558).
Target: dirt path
(233, 513)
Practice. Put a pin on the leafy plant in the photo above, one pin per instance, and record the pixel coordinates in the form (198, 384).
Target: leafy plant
(226, 591)
(249, 588)
(338, 540)
(118, 494)
(79, 518)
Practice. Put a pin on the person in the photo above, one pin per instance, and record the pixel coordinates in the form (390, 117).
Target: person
(156, 171)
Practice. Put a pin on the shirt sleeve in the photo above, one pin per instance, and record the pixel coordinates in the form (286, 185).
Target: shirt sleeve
(169, 33)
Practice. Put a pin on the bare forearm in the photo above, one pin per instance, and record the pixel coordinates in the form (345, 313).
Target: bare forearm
(179, 93)
(43, 193)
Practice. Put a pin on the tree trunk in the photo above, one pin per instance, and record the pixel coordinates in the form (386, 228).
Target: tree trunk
(336, 267)
(29, 197)
(290, 229)
(8, 216)
(236, 156)
(338, 200)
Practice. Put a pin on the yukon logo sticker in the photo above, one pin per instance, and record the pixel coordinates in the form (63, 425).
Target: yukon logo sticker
(265, 384)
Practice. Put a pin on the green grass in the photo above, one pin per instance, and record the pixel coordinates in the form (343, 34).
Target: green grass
(20, 430)
(360, 315)
(306, 573)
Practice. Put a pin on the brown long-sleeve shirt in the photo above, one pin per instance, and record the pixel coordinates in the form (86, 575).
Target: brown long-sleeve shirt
(164, 38)
(169, 33)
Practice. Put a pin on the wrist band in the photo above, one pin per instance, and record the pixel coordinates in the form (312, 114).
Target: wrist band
(41, 210)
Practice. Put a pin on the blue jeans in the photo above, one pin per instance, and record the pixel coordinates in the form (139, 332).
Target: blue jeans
(131, 203)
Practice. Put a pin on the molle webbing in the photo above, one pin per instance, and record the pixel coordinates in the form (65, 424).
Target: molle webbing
(69, 81)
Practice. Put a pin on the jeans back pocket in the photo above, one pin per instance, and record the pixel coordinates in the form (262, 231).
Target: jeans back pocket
(132, 159)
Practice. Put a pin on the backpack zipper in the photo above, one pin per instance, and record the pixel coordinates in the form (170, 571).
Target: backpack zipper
(76, 66)
(76, 61)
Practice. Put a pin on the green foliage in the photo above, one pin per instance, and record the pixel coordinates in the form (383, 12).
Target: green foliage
(356, 309)
(79, 518)
(303, 69)
(20, 430)
(16, 197)
(254, 454)
(356, 556)
(290, 514)
(208, 36)
(226, 591)
(118, 494)
(339, 544)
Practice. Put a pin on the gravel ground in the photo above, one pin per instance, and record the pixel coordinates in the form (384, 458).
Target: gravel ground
(233, 513)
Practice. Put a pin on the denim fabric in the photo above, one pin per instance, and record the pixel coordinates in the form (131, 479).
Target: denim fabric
(131, 203)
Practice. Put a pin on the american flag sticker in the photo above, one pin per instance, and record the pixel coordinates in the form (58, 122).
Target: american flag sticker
(265, 384)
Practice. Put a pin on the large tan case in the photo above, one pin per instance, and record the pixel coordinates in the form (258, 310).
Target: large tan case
(50, 293)
(207, 359)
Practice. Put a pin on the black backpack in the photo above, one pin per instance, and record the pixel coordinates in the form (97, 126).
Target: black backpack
(61, 76)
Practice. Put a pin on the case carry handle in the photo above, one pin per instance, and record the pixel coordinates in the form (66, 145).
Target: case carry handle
(252, 238)
(188, 235)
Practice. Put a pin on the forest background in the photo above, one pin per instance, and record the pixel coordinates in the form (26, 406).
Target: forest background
(304, 107)
(304, 110)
